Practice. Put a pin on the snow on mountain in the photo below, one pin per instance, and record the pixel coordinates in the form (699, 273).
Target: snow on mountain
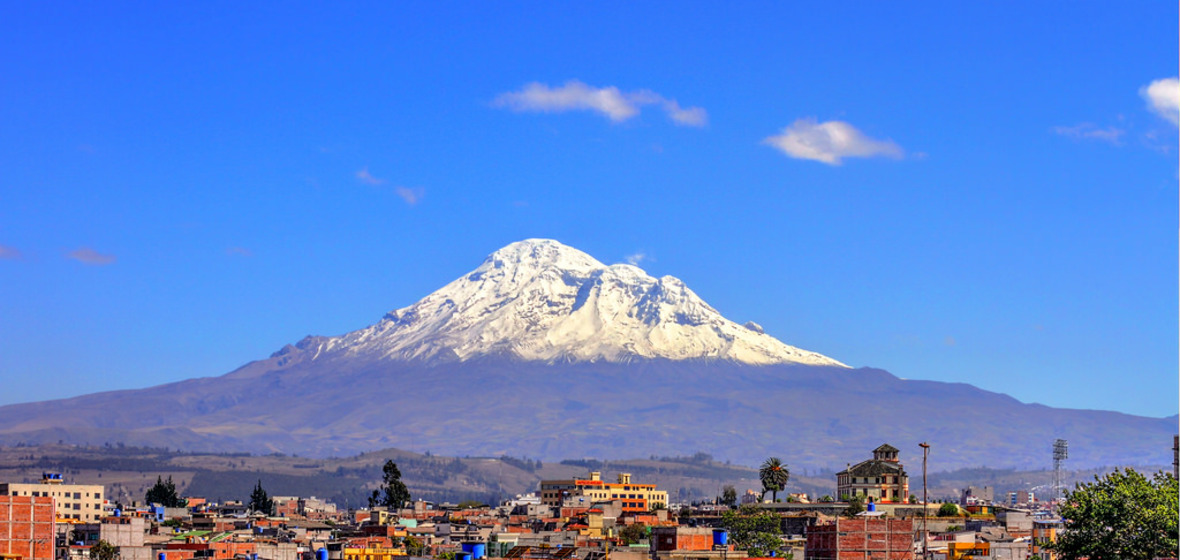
(540, 300)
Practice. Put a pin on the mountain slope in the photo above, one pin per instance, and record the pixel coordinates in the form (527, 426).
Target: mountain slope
(543, 351)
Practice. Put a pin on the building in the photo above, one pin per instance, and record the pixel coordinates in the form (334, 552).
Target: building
(27, 528)
(852, 539)
(634, 497)
(692, 543)
(83, 502)
(1043, 533)
(880, 479)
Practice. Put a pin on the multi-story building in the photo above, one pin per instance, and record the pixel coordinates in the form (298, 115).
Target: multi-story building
(83, 502)
(634, 497)
(27, 527)
(852, 539)
(880, 479)
(1044, 533)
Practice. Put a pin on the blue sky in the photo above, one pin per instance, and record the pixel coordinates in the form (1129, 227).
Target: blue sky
(982, 193)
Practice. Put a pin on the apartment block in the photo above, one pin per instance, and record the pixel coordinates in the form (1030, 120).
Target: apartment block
(82, 502)
(634, 497)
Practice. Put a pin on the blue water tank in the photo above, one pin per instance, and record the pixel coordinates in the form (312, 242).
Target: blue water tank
(477, 550)
(118, 513)
(162, 556)
(872, 506)
(462, 556)
(720, 537)
(321, 554)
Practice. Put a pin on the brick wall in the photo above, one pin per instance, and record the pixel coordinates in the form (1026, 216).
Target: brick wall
(27, 526)
(861, 539)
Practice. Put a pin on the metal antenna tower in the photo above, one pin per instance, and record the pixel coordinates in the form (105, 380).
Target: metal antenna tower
(1060, 454)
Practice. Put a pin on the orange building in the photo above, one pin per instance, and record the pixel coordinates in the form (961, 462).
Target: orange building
(634, 497)
(26, 527)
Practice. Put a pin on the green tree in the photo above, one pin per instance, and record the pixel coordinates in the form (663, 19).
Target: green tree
(102, 550)
(1123, 515)
(755, 531)
(414, 546)
(163, 492)
(393, 492)
(774, 476)
(855, 505)
(729, 495)
(634, 533)
(260, 501)
(948, 510)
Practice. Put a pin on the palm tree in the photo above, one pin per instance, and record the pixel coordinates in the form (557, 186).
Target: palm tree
(774, 476)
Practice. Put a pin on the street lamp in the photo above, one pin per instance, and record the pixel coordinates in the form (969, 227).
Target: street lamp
(925, 508)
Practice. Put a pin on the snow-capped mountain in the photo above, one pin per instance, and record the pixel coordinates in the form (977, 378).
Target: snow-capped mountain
(543, 351)
(540, 300)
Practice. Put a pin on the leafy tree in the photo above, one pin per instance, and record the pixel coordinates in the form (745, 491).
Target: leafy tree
(754, 531)
(855, 505)
(164, 493)
(948, 510)
(774, 476)
(1123, 515)
(729, 495)
(634, 533)
(260, 501)
(826, 498)
(102, 550)
(414, 546)
(393, 492)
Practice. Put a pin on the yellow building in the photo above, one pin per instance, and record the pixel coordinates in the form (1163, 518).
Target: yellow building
(372, 553)
(1043, 533)
(967, 550)
(634, 497)
(81, 502)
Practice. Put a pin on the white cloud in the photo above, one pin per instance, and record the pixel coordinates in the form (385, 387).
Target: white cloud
(86, 255)
(829, 142)
(411, 196)
(636, 258)
(367, 178)
(1163, 98)
(610, 102)
(1090, 131)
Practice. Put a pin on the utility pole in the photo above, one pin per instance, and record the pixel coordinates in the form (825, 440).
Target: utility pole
(925, 507)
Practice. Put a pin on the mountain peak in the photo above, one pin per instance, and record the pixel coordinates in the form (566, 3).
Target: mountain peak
(541, 300)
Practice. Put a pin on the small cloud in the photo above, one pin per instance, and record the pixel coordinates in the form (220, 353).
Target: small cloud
(830, 142)
(239, 252)
(610, 102)
(86, 255)
(949, 341)
(10, 253)
(367, 178)
(1163, 98)
(636, 258)
(1090, 131)
(411, 196)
